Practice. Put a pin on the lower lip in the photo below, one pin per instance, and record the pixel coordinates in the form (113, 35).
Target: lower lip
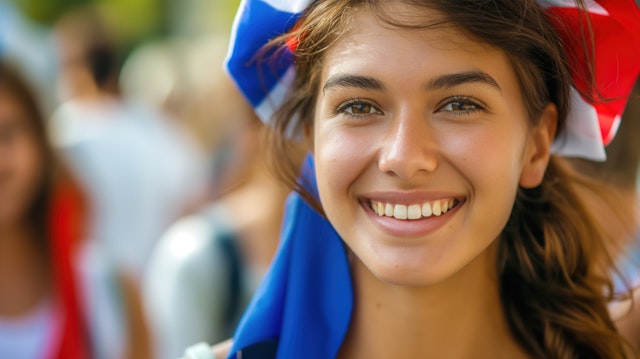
(410, 228)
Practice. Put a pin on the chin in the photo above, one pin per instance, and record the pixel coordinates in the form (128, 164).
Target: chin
(407, 275)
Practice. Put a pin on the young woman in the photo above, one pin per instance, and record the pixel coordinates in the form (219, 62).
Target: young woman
(457, 233)
(40, 209)
(48, 293)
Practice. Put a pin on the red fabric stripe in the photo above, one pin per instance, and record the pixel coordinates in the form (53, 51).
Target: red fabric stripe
(65, 221)
(616, 40)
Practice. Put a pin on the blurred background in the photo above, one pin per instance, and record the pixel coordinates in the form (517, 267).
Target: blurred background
(137, 213)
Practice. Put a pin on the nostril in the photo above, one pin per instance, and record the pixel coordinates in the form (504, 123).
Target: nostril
(408, 149)
(406, 165)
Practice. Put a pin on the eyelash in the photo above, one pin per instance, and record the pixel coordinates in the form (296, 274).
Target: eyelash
(461, 100)
(342, 109)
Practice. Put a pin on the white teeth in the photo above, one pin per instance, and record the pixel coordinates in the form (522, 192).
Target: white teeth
(437, 210)
(426, 210)
(400, 211)
(414, 211)
(388, 210)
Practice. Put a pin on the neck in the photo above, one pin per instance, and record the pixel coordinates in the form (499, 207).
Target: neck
(24, 271)
(461, 317)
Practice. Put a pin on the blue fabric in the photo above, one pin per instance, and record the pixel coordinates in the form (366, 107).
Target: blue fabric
(305, 300)
(256, 23)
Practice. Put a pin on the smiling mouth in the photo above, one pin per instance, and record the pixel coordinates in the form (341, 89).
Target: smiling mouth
(413, 211)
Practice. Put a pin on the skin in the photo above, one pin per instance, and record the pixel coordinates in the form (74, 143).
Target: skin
(407, 134)
(20, 161)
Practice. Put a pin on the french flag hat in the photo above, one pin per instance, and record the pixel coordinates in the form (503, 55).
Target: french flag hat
(305, 301)
(616, 39)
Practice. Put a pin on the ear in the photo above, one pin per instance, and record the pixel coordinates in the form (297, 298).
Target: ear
(539, 148)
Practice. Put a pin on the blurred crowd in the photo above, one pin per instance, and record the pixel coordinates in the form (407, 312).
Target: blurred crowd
(137, 210)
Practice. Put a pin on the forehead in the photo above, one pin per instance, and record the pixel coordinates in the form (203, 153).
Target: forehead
(427, 39)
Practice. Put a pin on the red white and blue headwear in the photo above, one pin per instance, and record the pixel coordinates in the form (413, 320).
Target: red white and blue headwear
(306, 298)
(616, 30)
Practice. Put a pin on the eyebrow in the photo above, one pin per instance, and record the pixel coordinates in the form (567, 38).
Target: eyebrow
(345, 80)
(456, 79)
(438, 83)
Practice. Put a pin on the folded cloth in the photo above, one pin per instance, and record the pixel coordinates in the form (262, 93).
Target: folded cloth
(305, 300)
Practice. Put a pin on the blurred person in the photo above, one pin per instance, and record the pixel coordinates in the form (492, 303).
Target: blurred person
(208, 264)
(140, 171)
(41, 209)
(48, 271)
(168, 74)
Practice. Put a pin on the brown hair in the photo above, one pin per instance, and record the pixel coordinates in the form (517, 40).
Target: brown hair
(550, 261)
(13, 84)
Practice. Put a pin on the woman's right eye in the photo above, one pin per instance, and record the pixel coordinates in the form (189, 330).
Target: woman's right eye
(358, 108)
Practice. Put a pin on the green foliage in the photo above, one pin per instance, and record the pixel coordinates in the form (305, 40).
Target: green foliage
(47, 11)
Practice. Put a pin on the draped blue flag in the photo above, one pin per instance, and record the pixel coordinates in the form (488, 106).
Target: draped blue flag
(305, 299)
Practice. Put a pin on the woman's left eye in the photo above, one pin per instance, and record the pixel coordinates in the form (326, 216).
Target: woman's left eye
(360, 109)
(460, 105)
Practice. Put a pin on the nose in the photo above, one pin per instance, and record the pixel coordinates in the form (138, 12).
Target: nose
(409, 149)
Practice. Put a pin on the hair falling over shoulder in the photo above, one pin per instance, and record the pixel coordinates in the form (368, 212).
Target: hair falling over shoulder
(553, 268)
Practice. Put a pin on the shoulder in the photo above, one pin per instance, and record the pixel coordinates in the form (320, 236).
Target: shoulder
(192, 239)
(189, 257)
(190, 250)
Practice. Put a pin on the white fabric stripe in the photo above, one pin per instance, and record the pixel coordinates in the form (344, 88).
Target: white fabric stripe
(293, 6)
(613, 130)
(592, 5)
(234, 34)
(276, 97)
(581, 136)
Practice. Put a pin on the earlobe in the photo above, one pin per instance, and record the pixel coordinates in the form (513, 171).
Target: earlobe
(539, 150)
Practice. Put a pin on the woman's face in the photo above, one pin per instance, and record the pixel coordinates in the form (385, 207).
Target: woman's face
(20, 160)
(420, 143)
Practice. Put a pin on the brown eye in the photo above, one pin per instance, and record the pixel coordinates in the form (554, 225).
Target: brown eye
(459, 106)
(358, 108)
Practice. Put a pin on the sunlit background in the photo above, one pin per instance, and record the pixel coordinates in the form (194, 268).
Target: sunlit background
(165, 165)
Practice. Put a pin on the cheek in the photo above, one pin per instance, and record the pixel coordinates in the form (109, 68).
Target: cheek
(492, 154)
(340, 156)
